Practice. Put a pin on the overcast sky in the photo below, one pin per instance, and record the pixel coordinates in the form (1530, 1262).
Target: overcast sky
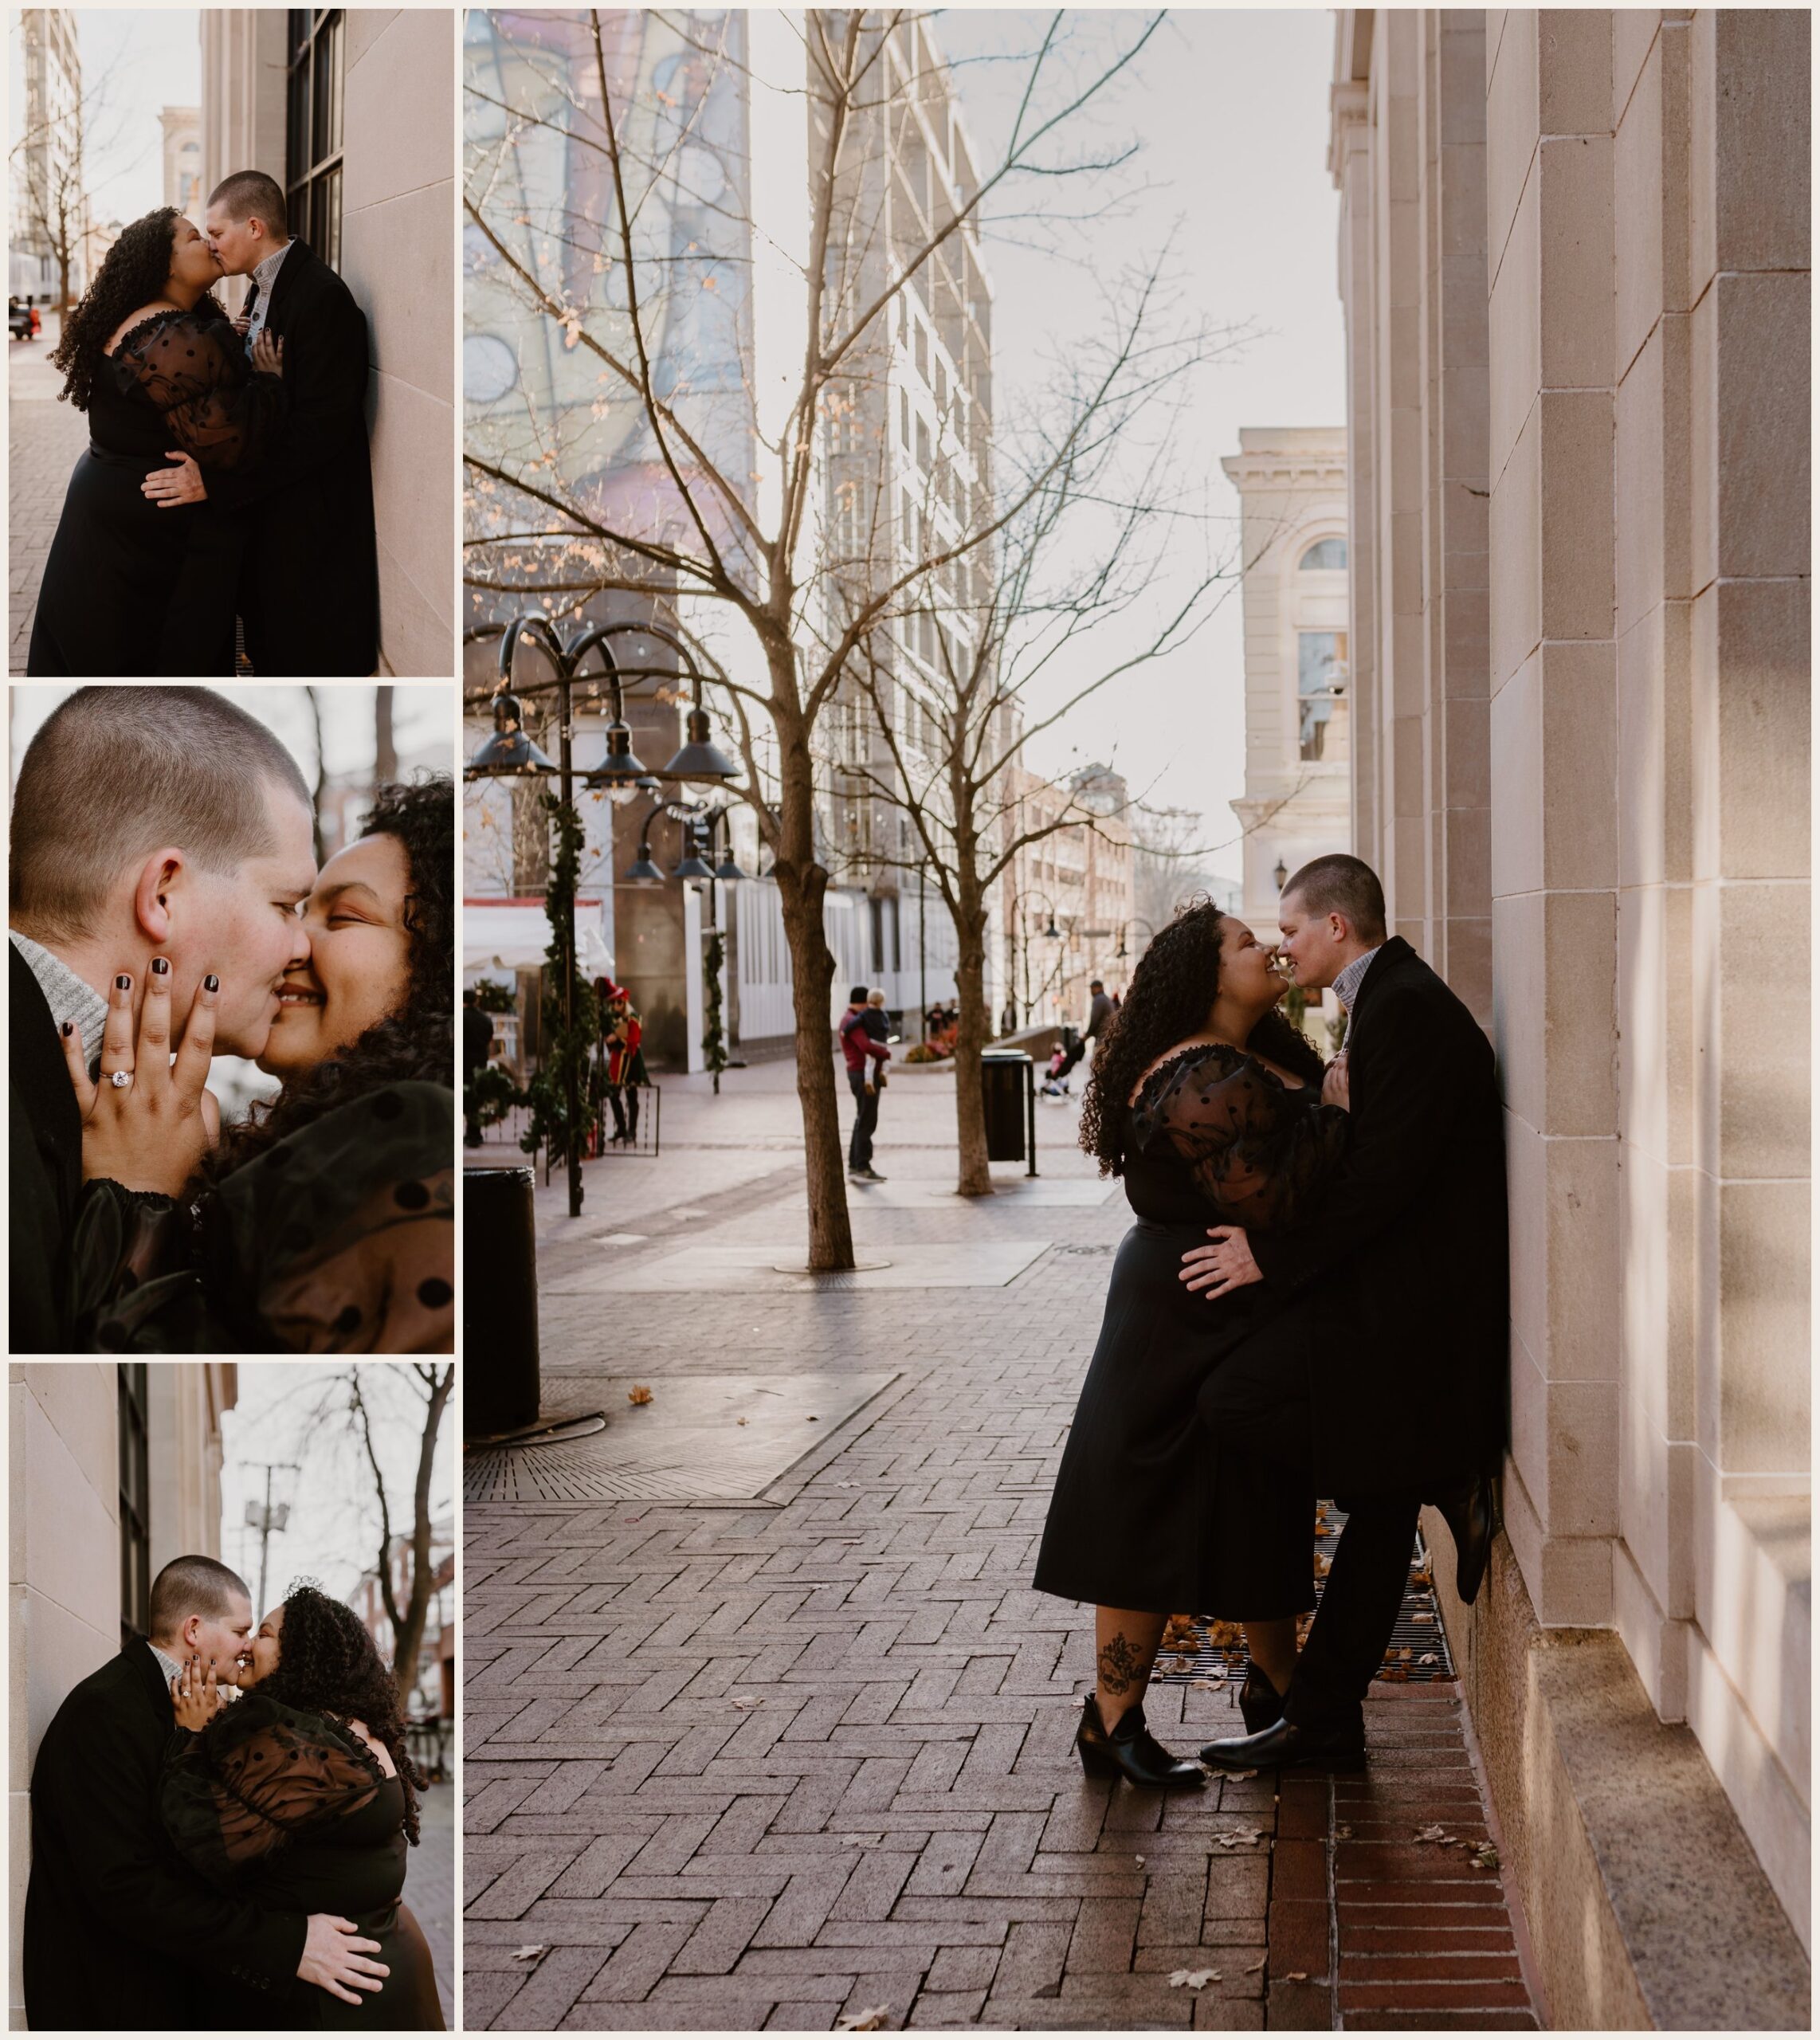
(135, 62)
(1229, 110)
(297, 1412)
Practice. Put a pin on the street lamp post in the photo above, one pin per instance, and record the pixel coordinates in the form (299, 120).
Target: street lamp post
(509, 753)
(1136, 921)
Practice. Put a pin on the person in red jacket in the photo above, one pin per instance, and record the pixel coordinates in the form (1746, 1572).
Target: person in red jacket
(866, 1057)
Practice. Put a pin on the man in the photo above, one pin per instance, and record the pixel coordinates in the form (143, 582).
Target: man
(151, 826)
(1399, 1332)
(308, 585)
(476, 1046)
(1099, 1013)
(120, 1935)
(865, 1055)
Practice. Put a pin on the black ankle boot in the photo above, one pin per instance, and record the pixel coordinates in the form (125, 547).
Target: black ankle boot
(1131, 1752)
(1259, 1701)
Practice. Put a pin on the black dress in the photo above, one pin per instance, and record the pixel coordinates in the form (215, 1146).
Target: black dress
(1136, 1521)
(131, 590)
(340, 1238)
(290, 1811)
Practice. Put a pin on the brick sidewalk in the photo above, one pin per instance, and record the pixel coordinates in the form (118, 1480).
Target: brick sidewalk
(773, 1764)
(44, 437)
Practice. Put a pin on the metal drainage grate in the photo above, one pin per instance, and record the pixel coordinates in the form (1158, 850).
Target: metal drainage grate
(1417, 1649)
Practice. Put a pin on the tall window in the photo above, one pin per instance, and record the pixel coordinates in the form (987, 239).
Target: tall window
(136, 1510)
(313, 151)
(1320, 685)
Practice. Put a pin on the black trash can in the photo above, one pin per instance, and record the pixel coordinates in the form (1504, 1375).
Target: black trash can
(1005, 1076)
(500, 1384)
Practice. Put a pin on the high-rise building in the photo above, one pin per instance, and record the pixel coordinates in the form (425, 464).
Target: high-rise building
(1298, 802)
(49, 238)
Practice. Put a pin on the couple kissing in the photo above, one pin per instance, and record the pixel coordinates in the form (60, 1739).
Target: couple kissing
(166, 909)
(1313, 1300)
(227, 472)
(201, 1864)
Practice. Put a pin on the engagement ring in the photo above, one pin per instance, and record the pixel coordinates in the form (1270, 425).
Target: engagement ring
(120, 1079)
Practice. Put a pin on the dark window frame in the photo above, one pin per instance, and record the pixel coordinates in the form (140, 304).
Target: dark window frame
(133, 1391)
(317, 44)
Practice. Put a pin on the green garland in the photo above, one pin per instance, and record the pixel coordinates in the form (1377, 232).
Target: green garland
(714, 1038)
(491, 996)
(546, 1096)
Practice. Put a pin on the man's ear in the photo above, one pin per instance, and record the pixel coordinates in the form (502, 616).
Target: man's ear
(160, 877)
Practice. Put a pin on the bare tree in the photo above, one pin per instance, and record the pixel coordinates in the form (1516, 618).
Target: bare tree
(1071, 591)
(318, 797)
(721, 500)
(434, 1385)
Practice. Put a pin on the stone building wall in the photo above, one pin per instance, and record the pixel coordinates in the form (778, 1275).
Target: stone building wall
(1574, 258)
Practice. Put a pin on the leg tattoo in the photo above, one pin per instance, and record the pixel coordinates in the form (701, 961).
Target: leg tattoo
(1121, 1665)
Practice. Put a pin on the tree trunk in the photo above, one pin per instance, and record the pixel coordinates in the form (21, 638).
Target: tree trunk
(407, 1630)
(802, 885)
(970, 1040)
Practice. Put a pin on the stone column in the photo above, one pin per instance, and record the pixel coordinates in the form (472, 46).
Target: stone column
(1397, 266)
(1749, 701)
(1553, 734)
(1350, 160)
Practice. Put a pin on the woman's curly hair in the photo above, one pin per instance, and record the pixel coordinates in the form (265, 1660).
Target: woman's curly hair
(1172, 991)
(418, 1041)
(133, 272)
(328, 1664)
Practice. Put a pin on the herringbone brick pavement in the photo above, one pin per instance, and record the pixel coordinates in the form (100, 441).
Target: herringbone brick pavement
(44, 438)
(771, 1764)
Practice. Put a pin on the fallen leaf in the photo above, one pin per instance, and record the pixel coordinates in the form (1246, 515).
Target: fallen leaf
(1436, 1833)
(1139, 1860)
(1422, 1618)
(1235, 1775)
(747, 1420)
(1485, 1856)
(531, 1953)
(1297, 1976)
(1428, 1657)
(639, 1392)
(1240, 1837)
(1257, 1965)
(744, 1701)
(1343, 1832)
(1324, 1565)
(816, 1420)
(1192, 1980)
(873, 2020)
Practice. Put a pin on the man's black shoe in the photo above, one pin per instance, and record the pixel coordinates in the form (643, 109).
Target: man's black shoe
(1471, 1517)
(1283, 1743)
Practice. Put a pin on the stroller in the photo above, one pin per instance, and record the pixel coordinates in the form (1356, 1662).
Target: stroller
(1068, 1051)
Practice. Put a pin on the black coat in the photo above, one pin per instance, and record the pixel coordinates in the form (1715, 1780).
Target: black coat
(120, 1934)
(45, 1140)
(309, 582)
(476, 1040)
(1405, 1258)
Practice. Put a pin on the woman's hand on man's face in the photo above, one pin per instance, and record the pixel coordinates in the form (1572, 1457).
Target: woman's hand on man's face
(195, 1697)
(149, 1120)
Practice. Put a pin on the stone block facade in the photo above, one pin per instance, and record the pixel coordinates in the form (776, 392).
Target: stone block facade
(1574, 257)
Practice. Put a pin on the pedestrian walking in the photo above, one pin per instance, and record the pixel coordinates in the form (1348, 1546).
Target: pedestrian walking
(866, 1056)
(477, 1044)
(625, 1072)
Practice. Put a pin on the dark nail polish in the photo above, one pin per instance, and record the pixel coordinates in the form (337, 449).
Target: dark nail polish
(211, 983)
(69, 1028)
(160, 968)
(122, 983)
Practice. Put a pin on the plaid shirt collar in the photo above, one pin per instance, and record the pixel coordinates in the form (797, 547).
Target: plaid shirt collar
(1346, 986)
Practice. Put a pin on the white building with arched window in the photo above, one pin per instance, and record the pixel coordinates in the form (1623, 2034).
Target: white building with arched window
(1298, 795)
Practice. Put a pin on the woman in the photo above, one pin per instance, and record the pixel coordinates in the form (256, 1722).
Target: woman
(1207, 1102)
(624, 1032)
(325, 1222)
(302, 1798)
(133, 588)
